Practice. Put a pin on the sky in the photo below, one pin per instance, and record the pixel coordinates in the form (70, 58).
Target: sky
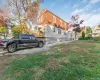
(88, 10)
(1, 2)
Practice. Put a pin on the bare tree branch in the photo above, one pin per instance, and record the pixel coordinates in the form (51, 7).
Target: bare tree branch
(23, 10)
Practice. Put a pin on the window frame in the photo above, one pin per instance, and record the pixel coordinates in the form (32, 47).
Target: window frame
(59, 31)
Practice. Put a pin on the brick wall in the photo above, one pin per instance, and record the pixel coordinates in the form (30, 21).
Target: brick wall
(47, 17)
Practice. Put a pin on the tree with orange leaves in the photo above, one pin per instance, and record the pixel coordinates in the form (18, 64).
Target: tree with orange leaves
(4, 18)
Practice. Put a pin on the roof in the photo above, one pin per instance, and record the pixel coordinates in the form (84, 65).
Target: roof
(52, 13)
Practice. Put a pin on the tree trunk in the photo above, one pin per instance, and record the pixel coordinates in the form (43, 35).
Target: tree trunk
(75, 35)
(18, 10)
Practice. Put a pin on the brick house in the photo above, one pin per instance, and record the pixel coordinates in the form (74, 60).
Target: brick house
(47, 17)
(51, 26)
(96, 31)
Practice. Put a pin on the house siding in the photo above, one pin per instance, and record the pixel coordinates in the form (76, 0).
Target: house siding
(51, 27)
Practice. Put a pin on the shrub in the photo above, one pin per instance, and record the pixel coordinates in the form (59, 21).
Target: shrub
(96, 38)
(83, 35)
(19, 30)
(80, 39)
(90, 36)
(4, 31)
(87, 38)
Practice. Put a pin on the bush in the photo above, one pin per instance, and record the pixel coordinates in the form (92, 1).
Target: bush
(80, 39)
(86, 38)
(19, 30)
(96, 38)
(83, 35)
(90, 36)
(4, 31)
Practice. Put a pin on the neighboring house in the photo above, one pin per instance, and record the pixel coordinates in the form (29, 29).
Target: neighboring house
(50, 25)
(78, 34)
(96, 32)
(83, 29)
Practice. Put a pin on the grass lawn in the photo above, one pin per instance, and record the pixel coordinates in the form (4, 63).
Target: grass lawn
(79, 60)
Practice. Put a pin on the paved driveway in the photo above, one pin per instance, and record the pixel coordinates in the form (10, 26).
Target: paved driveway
(1, 50)
(31, 50)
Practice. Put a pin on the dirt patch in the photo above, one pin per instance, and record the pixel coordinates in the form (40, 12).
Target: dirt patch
(52, 64)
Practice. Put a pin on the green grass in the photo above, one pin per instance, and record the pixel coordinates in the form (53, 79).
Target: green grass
(79, 60)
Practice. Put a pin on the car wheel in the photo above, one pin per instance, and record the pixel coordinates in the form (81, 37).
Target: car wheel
(40, 44)
(11, 48)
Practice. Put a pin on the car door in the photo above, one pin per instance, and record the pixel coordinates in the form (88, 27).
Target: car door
(24, 41)
(33, 41)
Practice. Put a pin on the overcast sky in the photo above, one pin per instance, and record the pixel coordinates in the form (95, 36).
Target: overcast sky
(89, 10)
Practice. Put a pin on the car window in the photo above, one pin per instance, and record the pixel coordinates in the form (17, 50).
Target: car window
(32, 37)
(25, 37)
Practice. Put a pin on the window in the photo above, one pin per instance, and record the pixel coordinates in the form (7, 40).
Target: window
(54, 29)
(25, 37)
(65, 33)
(32, 37)
(59, 31)
(54, 19)
(61, 22)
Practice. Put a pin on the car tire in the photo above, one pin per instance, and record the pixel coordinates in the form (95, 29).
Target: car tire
(40, 44)
(11, 48)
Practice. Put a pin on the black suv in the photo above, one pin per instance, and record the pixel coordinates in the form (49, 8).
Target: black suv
(24, 40)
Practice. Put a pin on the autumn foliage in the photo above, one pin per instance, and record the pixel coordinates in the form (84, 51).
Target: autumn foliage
(3, 17)
(3, 31)
(19, 30)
